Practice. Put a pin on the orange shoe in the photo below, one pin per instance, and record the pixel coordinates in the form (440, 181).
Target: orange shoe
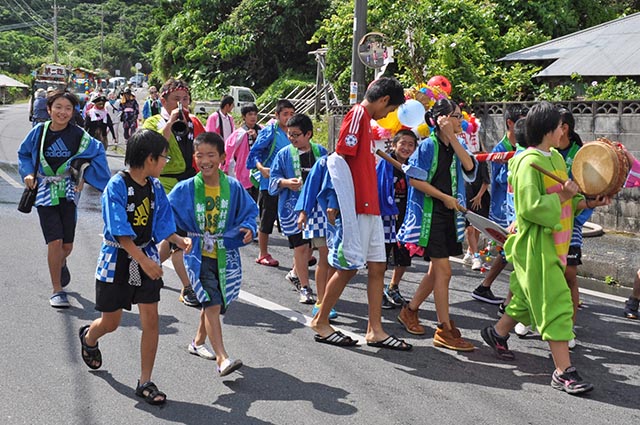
(409, 318)
(450, 337)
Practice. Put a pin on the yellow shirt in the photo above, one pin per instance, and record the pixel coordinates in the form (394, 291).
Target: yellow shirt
(212, 214)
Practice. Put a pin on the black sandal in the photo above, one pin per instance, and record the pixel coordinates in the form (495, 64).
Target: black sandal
(91, 355)
(149, 391)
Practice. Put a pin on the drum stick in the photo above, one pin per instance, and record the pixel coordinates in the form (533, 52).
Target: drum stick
(494, 156)
(551, 175)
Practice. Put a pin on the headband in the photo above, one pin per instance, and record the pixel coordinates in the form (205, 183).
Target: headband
(168, 91)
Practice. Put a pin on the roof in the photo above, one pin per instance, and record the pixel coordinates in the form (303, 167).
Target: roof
(609, 49)
(6, 81)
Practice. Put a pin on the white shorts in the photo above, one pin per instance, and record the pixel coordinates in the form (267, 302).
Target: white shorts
(372, 238)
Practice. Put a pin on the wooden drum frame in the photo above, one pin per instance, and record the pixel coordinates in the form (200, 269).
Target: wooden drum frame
(600, 168)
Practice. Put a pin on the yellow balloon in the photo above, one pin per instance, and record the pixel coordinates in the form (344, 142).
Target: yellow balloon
(424, 130)
(391, 122)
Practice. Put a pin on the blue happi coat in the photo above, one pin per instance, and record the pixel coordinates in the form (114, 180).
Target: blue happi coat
(97, 174)
(423, 158)
(116, 223)
(242, 212)
(386, 196)
(270, 140)
(282, 168)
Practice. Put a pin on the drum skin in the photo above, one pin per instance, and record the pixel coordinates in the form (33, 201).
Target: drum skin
(600, 168)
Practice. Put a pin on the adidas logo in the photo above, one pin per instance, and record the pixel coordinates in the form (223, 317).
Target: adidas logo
(141, 214)
(57, 150)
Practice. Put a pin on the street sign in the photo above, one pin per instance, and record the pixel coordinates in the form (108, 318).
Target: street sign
(117, 72)
(138, 65)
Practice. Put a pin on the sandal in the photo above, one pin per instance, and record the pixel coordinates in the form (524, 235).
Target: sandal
(392, 343)
(149, 391)
(91, 355)
(267, 260)
(337, 338)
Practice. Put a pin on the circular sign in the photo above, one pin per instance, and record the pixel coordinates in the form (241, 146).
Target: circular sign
(138, 65)
(372, 50)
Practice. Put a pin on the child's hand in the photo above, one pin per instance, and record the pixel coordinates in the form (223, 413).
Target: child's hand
(302, 220)
(450, 202)
(569, 190)
(476, 202)
(266, 172)
(151, 268)
(294, 184)
(512, 227)
(184, 244)
(30, 181)
(598, 202)
(332, 213)
(248, 235)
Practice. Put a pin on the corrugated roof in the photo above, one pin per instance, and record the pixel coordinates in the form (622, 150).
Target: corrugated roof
(608, 49)
(6, 81)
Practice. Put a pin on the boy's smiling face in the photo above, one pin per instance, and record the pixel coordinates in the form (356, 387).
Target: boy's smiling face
(208, 159)
(299, 139)
(404, 147)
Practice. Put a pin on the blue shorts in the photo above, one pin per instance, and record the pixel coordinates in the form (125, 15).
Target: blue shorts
(210, 282)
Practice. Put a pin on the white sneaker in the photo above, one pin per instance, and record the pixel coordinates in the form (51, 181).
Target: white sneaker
(467, 259)
(476, 263)
(522, 330)
(201, 351)
(572, 343)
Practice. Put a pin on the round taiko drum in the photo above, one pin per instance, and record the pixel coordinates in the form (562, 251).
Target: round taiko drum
(600, 168)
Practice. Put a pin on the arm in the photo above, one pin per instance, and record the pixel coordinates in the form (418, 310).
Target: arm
(150, 267)
(110, 126)
(260, 150)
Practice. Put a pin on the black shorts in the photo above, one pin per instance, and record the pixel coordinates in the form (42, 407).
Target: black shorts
(268, 211)
(297, 240)
(442, 238)
(59, 222)
(400, 256)
(111, 297)
(574, 257)
(254, 192)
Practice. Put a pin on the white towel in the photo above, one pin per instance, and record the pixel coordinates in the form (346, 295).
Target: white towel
(345, 192)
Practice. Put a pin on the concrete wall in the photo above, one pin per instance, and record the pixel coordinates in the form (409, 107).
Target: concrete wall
(617, 121)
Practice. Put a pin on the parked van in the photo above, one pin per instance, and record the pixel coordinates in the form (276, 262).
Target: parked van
(115, 83)
(241, 96)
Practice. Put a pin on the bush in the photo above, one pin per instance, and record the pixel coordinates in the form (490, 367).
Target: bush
(283, 86)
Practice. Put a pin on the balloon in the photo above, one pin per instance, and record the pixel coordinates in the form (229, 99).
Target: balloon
(411, 113)
(442, 82)
(391, 122)
(423, 130)
(465, 126)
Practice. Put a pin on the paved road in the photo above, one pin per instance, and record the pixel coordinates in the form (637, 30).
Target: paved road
(288, 379)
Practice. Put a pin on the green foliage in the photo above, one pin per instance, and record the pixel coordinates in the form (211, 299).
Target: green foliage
(613, 89)
(282, 87)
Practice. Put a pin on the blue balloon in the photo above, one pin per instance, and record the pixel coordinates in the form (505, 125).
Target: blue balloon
(411, 113)
(465, 125)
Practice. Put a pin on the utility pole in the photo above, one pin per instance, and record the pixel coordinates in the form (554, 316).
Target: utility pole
(55, 30)
(102, 36)
(359, 30)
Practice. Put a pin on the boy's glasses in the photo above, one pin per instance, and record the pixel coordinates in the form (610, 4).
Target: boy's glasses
(166, 157)
(457, 116)
(294, 135)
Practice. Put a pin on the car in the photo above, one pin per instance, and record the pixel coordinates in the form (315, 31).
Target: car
(137, 80)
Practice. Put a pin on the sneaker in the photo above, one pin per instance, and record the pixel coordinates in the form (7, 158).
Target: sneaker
(466, 260)
(59, 300)
(631, 308)
(294, 280)
(201, 351)
(188, 297)
(476, 264)
(333, 314)
(65, 276)
(572, 343)
(386, 304)
(498, 343)
(306, 296)
(394, 296)
(522, 330)
(484, 294)
(228, 366)
(501, 309)
(570, 382)
(451, 338)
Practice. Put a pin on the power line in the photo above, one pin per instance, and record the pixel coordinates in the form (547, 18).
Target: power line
(37, 20)
(39, 32)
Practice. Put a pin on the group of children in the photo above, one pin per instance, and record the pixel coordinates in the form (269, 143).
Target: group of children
(175, 199)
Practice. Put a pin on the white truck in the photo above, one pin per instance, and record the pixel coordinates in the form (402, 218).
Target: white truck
(241, 96)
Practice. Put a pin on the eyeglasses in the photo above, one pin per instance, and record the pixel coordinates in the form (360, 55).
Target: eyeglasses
(294, 135)
(166, 157)
(457, 116)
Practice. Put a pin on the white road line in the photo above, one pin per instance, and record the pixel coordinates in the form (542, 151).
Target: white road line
(10, 180)
(292, 315)
(602, 295)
